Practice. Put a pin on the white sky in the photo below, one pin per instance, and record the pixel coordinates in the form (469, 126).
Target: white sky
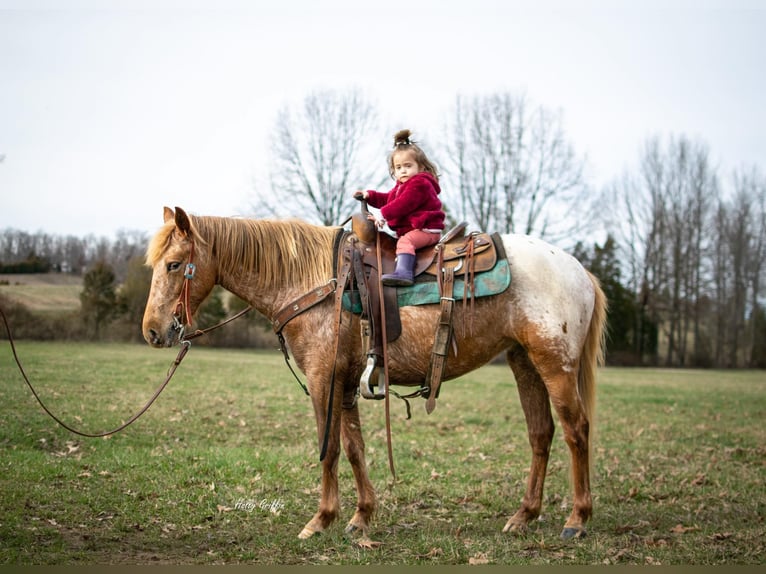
(111, 109)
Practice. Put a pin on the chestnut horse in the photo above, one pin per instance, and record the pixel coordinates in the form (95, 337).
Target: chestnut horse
(550, 322)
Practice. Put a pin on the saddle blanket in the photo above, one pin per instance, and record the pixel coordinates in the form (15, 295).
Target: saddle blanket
(492, 282)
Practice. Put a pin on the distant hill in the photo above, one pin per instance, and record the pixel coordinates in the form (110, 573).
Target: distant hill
(43, 292)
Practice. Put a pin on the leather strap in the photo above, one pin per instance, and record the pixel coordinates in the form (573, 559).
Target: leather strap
(442, 338)
(303, 303)
(343, 276)
(389, 445)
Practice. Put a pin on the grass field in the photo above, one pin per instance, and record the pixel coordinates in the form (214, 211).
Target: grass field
(224, 468)
(43, 292)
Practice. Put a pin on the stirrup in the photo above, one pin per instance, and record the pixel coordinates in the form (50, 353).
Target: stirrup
(368, 392)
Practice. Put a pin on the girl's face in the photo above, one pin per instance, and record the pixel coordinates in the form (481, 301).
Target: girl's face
(405, 165)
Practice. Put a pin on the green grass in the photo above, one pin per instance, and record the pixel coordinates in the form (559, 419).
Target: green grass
(224, 467)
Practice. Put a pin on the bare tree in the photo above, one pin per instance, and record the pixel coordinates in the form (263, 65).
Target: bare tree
(737, 239)
(322, 151)
(742, 237)
(514, 169)
(753, 186)
(721, 280)
(664, 217)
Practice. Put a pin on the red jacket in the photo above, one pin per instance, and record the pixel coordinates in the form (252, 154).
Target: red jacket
(410, 205)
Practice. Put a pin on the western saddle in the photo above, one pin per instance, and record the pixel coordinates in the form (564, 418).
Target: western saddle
(456, 254)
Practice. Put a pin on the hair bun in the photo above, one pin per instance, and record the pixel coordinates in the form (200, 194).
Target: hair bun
(402, 137)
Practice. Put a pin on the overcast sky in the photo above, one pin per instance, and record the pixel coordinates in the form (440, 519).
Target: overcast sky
(111, 109)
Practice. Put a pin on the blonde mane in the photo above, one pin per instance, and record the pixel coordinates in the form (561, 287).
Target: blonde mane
(289, 252)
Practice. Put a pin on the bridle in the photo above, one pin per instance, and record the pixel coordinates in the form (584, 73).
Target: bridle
(182, 313)
(181, 318)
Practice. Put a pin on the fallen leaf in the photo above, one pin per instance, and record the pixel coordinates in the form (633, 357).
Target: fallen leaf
(433, 553)
(681, 529)
(721, 536)
(480, 558)
(367, 544)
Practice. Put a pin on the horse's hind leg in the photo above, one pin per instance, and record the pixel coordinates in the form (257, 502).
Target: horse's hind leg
(560, 380)
(576, 428)
(353, 444)
(537, 411)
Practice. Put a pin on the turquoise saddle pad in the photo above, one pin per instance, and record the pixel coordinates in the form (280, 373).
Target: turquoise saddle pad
(488, 283)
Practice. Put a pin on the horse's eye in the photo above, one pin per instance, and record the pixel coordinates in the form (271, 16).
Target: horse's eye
(174, 266)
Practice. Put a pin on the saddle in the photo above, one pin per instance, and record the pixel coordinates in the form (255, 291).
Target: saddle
(456, 254)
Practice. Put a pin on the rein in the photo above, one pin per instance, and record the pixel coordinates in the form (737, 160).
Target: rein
(185, 341)
(186, 345)
(389, 444)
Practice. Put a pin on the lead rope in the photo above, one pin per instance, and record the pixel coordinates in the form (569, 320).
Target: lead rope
(186, 345)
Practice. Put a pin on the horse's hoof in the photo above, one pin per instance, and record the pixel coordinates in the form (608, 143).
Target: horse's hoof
(573, 533)
(307, 533)
(515, 528)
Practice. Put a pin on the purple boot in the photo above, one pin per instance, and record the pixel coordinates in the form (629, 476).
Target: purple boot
(402, 275)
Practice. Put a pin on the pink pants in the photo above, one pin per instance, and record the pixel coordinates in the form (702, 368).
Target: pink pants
(416, 239)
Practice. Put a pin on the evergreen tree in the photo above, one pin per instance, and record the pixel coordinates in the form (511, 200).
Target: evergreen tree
(98, 300)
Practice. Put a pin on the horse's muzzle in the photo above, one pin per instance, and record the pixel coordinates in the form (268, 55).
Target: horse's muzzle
(172, 337)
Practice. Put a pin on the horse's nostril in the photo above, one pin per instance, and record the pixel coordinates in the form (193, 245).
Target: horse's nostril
(153, 336)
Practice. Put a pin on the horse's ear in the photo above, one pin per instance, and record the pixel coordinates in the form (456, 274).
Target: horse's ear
(182, 221)
(168, 214)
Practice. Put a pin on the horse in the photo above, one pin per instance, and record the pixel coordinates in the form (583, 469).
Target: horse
(550, 322)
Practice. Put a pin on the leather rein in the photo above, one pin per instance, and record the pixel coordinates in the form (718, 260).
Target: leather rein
(180, 321)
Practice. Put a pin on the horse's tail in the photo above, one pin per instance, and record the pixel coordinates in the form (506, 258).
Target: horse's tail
(593, 352)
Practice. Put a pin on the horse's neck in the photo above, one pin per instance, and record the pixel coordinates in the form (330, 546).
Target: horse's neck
(269, 292)
(266, 299)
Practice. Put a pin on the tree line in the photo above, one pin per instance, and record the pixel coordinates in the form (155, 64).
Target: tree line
(679, 247)
(39, 252)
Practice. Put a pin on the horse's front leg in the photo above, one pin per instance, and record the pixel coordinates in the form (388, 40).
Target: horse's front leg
(353, 444)
(329, 503)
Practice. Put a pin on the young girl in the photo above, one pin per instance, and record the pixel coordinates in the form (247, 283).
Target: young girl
(412, 208)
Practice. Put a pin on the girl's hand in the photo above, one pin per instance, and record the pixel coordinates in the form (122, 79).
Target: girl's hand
(360, 195)
(378, 222)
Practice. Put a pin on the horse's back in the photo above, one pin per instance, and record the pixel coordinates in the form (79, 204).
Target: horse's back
(550, 289)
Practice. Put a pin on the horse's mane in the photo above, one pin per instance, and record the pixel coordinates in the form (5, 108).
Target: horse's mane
(283, 252)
